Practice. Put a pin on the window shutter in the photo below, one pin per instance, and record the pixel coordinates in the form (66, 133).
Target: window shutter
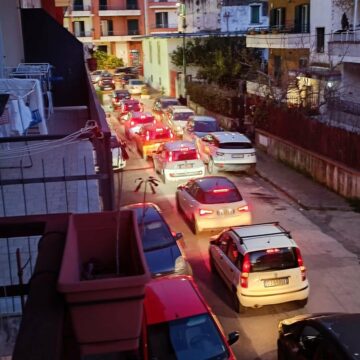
(297, 24)
(265, 9)
(272, 17)
(282, 17)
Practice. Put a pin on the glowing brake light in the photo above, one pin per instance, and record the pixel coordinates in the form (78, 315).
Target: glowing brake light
(246, 267)
(215, 191)
(159, 130)
(147, 138)
(205, 212)
(301, 264)
(243, 208)
(272, 251)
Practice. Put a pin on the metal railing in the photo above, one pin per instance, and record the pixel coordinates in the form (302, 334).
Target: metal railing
(346, 36)
(128, 6)
(81, 7)
(82, 33)
(346, 106)
(290, 27)
(164, 26)
(119, 33)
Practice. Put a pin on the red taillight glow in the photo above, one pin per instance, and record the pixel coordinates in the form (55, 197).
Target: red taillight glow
(205, 212)
(216, 191)
(171, 135)
(301, 264)
(243, 208)
(246, 266)
(272, 251)
(147, 138)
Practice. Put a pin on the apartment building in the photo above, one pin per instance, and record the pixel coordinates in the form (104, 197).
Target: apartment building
(112, 26)
(162, 17)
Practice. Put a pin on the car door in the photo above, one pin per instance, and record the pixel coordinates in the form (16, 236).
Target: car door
(219, 254)
(231, 264)
(187, 199)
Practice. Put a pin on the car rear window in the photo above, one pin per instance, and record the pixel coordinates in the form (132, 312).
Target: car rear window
(156, 235)
(136, 82)
(220, 196)
(273, 259)
(206, 126)
(182, 116)
(167, 103)
(190, 154)
(160, 134)
(235, 145)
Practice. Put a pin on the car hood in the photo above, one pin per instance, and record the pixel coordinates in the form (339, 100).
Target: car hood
(162, 260)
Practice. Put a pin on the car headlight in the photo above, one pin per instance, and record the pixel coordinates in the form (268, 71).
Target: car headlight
(180, 264)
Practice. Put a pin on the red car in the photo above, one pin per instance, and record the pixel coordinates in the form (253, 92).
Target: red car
(150, 136)
(127, 105)
(178, 324)
(135, 119)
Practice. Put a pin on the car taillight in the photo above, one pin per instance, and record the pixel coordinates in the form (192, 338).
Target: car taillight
(132, 123)
(301, 264)
(246, 266)
(154, 121)
(197, 155)
(147, 138)
(113, 81)
(243, 208)
(215, 191)
(205, 212)
(171, 135)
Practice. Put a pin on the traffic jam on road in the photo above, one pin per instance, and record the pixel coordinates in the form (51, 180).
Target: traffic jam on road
(229, 257)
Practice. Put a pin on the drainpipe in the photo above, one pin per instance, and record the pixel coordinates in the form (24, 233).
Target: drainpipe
(146, 16)
(355, 19)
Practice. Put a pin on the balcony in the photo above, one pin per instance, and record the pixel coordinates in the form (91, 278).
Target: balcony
(119, 35)
(77, 10)
(163, 28)
(83, 35)
(284, 36)
(345, 47)
(130, 9)
(162, 4)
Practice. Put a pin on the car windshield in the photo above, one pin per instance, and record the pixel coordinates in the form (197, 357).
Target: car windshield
(273, 259)
(166, 103)
(137, 82)
(182, 115)
(220, 196)
(206, 126)
(156, 235)
(235, 145)
(190, 154)
(194, 337)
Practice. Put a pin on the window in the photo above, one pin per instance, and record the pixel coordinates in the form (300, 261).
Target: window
(255, 14)
(103, 5)
(159, 52)
(233, 253)
(277, 67)
(302, 18)
(131, 5)
(79, 28)
(78, 5)
(107, 28)
(277, 18)
(150, 53)
(133, 27)
(102, 48)
(320, 39)
(303, 63)
(161, 20)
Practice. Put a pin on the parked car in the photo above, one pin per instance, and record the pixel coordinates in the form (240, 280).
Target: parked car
(135, 120)
(95, 75)
(106, 81)
(180, 325)
(227, 151)
(135, 86)
(127, 105)
(261, 265)
(119, 95)
(198, 126)
(119, 153)
(124, 79)
(123, 70)
(213, 202)
(331, 336)
(178, 160)
(176, 117)
(150, 137)
(163, 254)
(161, 104)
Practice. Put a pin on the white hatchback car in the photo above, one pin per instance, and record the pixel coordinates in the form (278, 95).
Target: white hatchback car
(261, 264)
(227, 151)
(176, 118)
(135, 86)
(213, 202)
(178, 160)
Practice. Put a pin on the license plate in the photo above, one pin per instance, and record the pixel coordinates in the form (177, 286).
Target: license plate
(237, 155)
(276, 282)
(185, 166)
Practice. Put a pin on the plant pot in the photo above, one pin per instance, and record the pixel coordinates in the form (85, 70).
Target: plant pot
(105, 308)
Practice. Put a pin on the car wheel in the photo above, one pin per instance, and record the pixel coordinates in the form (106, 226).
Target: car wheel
(177, 201)
(302, 303)
(212, 264)
(211, 167)
(251, 170)
(164, 177)
(280, 352)
(195, 228)
(237, 306)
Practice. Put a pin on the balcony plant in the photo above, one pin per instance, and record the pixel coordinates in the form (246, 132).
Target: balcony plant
(104, 291)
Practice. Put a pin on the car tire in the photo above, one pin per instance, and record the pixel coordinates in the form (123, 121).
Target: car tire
(177, 202)
(251, 170)
(280, 352)
(302, 303)
(212, 264)
(194, 226)
(237, 306)
(164, 177)
(211, 167)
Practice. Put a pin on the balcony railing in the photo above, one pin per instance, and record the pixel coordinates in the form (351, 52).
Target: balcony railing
(287, 27)
(164, 26)
(120, 33)
(345, 36)
(346, 106)
(133, 32)
(80, 7)
(82, 33)
(128, 6)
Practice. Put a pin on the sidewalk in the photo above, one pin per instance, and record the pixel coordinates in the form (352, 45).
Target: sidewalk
(307, 193)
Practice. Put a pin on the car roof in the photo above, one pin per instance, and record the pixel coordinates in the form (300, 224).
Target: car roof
(137, 114)
(180, 108)
(172, 298)
(264, 236)
(131, 101)
(177, 145)
(202, 118)
(152, 211)
(229, 136)
(344, 327)
(209, 183)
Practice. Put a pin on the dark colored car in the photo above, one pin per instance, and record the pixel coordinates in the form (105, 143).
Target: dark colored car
(106, 82)
(124, 78)
(127, 105)
(332, 336)
(119, 95)
(161, 104)
(123, 70)
(162, 252)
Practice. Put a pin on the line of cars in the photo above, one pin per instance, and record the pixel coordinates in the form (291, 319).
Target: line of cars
(261, 264)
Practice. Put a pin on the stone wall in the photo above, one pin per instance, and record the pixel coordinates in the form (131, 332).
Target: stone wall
(337, 177)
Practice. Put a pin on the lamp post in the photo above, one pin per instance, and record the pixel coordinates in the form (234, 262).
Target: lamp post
(183, 16)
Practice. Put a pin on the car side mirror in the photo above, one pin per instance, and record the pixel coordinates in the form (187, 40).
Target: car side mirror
(233, 337)
(178, 236)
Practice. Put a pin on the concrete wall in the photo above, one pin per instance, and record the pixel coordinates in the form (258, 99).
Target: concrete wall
(350, 87)
(202, 15)
(335, 176)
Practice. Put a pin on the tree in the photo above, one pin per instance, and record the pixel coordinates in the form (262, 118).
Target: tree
(106, 61)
